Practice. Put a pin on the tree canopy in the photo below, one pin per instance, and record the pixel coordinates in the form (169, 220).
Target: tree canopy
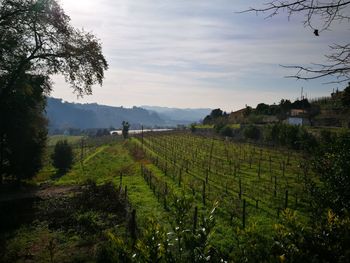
(36, 37)
(36, 42)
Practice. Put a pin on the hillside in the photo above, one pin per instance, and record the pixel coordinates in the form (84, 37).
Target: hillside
(179, 116)
(63, 115)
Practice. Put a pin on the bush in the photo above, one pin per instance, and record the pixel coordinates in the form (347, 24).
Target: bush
(251, 132)
(62, 157)
(226, 131)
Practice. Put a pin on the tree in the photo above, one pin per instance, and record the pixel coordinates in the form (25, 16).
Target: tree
(332, 164)
(36, 41)
(226, 131)
(247, 111)
(346, 96)
(251, 132)
(23, 128)
(125, 130)
(36, 37)
(62, 157)
(318, 16)
(216, 113)
(262, 108)
(193, 127)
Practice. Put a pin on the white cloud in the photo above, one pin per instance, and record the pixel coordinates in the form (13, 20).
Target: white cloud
(195, 53)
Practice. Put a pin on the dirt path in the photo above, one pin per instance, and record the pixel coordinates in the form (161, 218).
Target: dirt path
(42, 192)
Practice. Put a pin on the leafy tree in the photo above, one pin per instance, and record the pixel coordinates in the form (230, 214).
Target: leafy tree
(251, 132)
(319, 16)
(346, 96)
(62, 156)
(332, 164)
(285, 105)
(36, 37)
(216, 113)
(125, 130)
(193, 127)
(36, 41)
(226, 131)
(215, 116)
(262, 108)
(247, 111)
(218, 127)
(23, 128)
(325, 239)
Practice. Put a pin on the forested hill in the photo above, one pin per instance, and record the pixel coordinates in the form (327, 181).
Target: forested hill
(64, 115)
(176, 115)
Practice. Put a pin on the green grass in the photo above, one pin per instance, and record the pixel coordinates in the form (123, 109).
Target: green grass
(102, 165)
(105, 163)
(204, 126)
(235, 126)
(52, 140)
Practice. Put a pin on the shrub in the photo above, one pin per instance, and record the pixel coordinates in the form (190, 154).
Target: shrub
(251, 132)
(62, 157)
(226, 131)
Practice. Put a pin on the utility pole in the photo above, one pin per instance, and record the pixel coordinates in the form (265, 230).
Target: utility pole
(142, 135)
(301, 93)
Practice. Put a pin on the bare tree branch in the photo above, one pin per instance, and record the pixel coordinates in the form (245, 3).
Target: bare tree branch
(328, 12)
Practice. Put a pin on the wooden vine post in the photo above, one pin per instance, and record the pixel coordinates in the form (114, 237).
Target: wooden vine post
(243, 213)
(133, 226)
(195, 219)
(203, 193)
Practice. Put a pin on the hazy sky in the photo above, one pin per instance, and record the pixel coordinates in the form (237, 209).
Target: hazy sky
(197, 53)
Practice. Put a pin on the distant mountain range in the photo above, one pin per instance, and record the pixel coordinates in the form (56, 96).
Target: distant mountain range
(64, 115)
(176, 115)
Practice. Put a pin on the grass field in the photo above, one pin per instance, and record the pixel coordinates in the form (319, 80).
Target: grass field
(250, 185)
(52, 140)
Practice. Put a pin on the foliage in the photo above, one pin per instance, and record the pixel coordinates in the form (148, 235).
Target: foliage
(198, 242)
(262, 108)
(23, 127)
(125, 130)
(332, 164)
(62, 156)
(154, 246)
(251, 245)
(251, 132)
(114, 250)
(294, 137)
(346, 96)
(36, 41)
(216, 116)
(193, 127)
(247, 111)
(36, 37)
(324, 240)
(226, 131)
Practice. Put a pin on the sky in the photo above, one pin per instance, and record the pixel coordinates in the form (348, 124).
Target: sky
(197, 53)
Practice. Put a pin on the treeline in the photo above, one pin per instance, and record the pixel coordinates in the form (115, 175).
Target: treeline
(281, 111)
(279, 134)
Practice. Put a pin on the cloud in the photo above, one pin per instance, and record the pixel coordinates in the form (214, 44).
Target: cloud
(195, 53)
